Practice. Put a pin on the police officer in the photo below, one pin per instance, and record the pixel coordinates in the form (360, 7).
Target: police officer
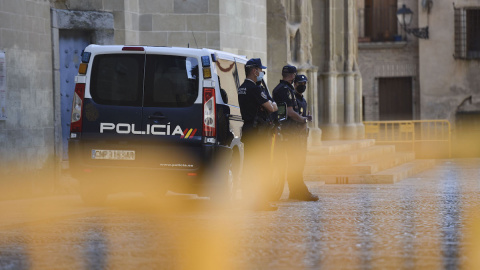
(255, 107)
(293, 131)
(300, 85)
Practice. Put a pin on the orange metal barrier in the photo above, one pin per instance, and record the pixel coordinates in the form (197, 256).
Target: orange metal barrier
(414, 133)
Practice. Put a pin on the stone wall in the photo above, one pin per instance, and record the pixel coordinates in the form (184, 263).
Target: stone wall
(243, 27)
(386, 60)
(230, 25)
(445, 81)
(27, 135)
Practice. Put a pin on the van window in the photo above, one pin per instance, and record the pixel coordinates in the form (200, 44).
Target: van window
(171, 81)
(117, 79)
(228, 79)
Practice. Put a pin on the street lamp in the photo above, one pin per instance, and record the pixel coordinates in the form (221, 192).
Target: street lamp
(404, 16)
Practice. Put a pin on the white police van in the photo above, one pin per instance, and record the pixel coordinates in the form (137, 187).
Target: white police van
(156, 118)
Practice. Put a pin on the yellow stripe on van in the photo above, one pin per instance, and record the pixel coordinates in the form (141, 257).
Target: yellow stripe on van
(188, 134)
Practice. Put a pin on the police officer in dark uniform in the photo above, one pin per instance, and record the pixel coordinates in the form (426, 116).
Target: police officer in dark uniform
(300, 87)
(293, 131)
(255, 107)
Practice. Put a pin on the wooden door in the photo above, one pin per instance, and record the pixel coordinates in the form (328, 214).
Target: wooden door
(396, 98)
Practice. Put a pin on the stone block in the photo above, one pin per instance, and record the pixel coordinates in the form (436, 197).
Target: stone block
(48, 137)
(145, 22)
(18, 23)
(261, 15)
(45, 98)
(131, 37)
(17, 80)
(103, 37)
(7, 40)
(131, 21)
(169, 22)
(16, 7)
(228, 8)
(120, 37)
(153, 38)
(36, 42)
(190, 6)
(85, 5)
(214, 6)
(3, 138)
(44, 60)
(38, 25)
(49, 117)
(113, 5)
(203, 23)
(66, 19)
(30, 8)
(182, 39)
(154, 7)
(119, 19)
(6, 20)
(213, 40)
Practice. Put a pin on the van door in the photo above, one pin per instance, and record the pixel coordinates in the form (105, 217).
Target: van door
(171, 119)
(229, 81)
(112, 117)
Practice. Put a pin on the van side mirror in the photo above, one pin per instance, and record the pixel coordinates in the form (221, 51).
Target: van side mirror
(282, 112)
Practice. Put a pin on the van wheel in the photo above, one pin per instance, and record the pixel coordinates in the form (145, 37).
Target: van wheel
(93, 195)
(226, 190)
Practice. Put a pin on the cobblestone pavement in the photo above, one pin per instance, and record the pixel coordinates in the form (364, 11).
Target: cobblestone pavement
(430, 221)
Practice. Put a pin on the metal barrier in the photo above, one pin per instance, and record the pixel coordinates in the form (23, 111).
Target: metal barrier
(411, 133)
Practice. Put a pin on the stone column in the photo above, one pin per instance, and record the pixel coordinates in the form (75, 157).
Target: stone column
(329, 126)
(349, 128)
(358, 103)
(315, 136)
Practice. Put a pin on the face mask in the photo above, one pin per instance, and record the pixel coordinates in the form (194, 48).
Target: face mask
(260, 76)
(301, 88)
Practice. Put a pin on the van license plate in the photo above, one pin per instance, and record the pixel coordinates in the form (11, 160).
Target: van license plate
(113, 154)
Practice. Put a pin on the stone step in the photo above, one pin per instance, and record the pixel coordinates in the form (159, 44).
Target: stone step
(337, 147)
(352, 157)
(366, 167)
(389, 176)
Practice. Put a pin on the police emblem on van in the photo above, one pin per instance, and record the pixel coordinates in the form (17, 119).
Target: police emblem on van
(125, 128)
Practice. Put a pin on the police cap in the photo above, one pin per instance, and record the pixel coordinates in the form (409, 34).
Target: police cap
(255, 62)
(289, 69)
(301, 78)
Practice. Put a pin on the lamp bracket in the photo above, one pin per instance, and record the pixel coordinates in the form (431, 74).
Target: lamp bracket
(418, 32)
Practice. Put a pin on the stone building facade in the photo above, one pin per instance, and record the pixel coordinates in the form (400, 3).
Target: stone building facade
(320, 38)
(388, 57)
(450, 60)
(440, 81)
(27, 132)
(42, 41)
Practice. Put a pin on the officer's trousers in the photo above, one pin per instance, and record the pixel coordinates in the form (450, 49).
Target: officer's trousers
(255, 172)
(296, 157)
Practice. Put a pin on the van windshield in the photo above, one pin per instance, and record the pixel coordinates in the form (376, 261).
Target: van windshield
(171, 81)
